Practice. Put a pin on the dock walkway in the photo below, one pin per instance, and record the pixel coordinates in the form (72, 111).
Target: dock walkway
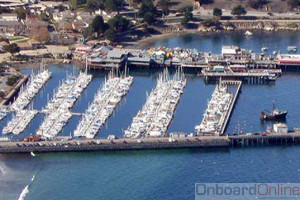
(233, 102)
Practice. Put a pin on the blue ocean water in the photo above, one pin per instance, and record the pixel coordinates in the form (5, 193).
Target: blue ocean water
(161, 174)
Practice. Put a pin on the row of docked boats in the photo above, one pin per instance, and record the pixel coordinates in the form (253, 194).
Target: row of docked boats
(105, 101)
(22, 116)
(155, 116)
(57, 110)
(19, 122)
(68, 92)
(33, 86)
(216, 112)
(3, 111)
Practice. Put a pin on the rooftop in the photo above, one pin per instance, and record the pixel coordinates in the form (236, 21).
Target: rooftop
(116, 53)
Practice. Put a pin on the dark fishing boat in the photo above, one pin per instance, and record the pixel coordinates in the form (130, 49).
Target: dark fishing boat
(275, 114)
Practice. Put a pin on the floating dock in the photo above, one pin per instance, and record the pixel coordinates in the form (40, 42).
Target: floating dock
(157, 113)
(19, 122)
(105, 101)
(34, 85)
(57, 110)
(219, 109)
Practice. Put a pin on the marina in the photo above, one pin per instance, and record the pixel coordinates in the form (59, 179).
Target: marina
(219, 109)
(19, 122)
(105, 101)
(68, 92)
(268, 158)
(155, 116)
(3, 111)
(33, 86)
(57, 110)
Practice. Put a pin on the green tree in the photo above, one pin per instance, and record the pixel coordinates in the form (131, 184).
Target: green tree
(12, 48)
(149, 18)
(164, 5)
(217, 12)
(98, 24)
(61, 8)
(188, 16)
(119, 23)
(12, 80)
(110, 34)
(238, 11)
(2, 94)
(21, 13)
(147, 6)
(113, 5)
(93, 5)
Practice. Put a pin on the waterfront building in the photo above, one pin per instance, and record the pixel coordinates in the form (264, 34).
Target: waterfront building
(280, 128)
(115, 58)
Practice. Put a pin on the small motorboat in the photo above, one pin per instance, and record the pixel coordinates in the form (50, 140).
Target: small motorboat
(264, 48)
(292, 49)
(248, 33)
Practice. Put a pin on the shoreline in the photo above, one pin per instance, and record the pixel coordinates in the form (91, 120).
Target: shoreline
(140, 44)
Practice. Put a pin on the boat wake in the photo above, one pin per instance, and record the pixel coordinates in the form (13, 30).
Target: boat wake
(25, 191)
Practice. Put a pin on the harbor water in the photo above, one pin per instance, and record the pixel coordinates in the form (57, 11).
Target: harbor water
(161, 174)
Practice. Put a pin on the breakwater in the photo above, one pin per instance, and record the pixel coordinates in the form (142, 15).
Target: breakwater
(116, 144)
(78, 145)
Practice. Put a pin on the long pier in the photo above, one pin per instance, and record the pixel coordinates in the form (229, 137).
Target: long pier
(195, 142)
(251, 77)
(233, 102)
(116, 144)
(219, 109)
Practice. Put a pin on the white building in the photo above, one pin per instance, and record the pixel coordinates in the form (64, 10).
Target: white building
(229, 50)
(9, 17)
(280, 128)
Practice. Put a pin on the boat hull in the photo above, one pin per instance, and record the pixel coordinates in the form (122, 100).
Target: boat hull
(281, 116)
